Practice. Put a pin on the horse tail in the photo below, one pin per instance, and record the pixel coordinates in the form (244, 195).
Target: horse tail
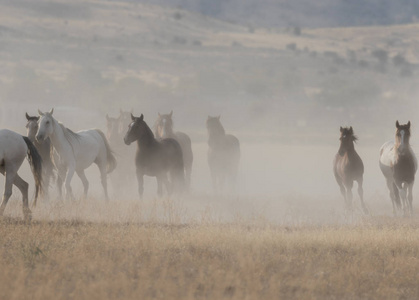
(397, 196)
(35, 162)
(111, 160)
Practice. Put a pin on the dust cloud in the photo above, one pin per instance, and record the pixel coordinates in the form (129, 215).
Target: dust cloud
(283, 95)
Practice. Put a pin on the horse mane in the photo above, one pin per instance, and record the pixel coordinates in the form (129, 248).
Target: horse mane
(69, 134)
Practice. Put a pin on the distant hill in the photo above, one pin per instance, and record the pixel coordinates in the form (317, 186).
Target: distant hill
(305, 13)
(102, 55)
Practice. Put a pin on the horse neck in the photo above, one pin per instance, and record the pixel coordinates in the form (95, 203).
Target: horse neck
(31, 136)
(216, 136)
(168, 132)
(146, 141)
(58, 139)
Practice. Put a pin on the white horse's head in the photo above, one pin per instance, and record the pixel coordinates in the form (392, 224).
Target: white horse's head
(46, 125)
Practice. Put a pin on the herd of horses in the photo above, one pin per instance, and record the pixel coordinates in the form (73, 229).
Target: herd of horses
(397, 162)
(55, 153)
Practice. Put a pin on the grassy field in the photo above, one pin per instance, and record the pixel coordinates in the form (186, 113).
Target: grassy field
(376, 258)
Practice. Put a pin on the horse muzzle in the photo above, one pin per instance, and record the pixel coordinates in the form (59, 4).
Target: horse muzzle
(126, 141)
(40, 138)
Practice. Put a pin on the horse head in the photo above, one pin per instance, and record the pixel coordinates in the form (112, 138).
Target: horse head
(32, 126)
(124, 120)
(112, 126)
(46, 125)
(137, 130)
(347, 139)
(402, 137)
(164, 125)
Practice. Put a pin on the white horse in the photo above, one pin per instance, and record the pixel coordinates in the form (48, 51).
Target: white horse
(77, 151)
(398, 164)
(13, 150)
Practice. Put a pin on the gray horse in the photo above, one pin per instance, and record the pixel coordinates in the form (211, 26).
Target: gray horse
(164, 129)
(223, 154)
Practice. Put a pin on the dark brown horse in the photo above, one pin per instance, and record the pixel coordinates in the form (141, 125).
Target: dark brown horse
(223, 154)
(156, 158)
(44, 150)
(398, 164)
(164, 129)
(348, 167)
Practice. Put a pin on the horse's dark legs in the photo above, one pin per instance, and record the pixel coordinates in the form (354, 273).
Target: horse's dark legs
(361, 195)
(84, 181)
(410, 197)
(140, 181)
(393, 195)
(348, 185)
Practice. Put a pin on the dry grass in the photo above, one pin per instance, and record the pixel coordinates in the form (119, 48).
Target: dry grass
(375, 259)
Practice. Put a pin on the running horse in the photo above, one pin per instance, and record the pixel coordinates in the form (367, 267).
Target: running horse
(77, 151)
(44, 149)
(348, 167)
(398, 164)
(164, 129)
(223, 153)
(155, 158)
(13, 150)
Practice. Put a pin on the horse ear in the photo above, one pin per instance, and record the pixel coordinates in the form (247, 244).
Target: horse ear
(408, 125)
(171, 113)
(40, 112)
(141, 117)
(132, 117)
(51, 111)
(397, 124)
(341, 129)
(27, 117)
(351, 130)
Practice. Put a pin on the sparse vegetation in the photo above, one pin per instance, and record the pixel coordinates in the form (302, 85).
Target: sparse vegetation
(73, 259)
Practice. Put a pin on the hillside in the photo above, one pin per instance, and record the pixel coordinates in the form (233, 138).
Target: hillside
(305, 13)
(103, 55)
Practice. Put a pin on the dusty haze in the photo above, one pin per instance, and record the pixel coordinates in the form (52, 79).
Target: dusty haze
(283, 92)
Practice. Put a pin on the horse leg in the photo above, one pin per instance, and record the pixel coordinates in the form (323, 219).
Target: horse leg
(140, 181)
(68, 190)
(188, 173)
(8, 185)
(403, 196)
(159, 186)
(392, 193)
(103, 180)
(60, 180)
(23, 187)
(349, 184)
(84, 181)
(410, 198)
(361, 195)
